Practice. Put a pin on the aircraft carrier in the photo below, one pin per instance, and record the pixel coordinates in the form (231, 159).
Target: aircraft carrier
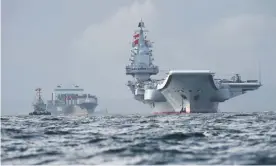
(72, 100)
(181, 91)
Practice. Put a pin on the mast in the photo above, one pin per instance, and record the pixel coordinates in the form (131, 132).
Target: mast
(141, 67)
(39, 96)
(38, 90)
(259, 72)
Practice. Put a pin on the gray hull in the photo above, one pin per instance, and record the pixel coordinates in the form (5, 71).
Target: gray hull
(90, 107)
(197, 92)
(181, 91)
(84, 108)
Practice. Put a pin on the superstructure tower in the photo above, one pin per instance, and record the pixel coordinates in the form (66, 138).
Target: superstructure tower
(141, 67)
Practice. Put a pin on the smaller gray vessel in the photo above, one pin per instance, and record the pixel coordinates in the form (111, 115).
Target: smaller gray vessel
(39, 105)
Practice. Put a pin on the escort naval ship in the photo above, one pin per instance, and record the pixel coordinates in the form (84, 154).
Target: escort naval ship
(67, 101)
(39, 105)
(181, 91)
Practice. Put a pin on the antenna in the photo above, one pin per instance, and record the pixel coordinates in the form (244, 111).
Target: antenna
(38, 92)
(259, 72)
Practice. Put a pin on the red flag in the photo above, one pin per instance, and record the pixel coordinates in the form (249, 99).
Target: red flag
(136, 35)
(136, 42)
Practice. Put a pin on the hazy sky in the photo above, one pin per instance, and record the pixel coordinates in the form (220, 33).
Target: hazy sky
(47, 42)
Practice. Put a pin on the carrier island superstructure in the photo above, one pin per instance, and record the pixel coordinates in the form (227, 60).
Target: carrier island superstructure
(71, 100)
(187, 91)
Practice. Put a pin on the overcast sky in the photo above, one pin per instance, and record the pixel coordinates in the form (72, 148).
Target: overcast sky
(86, 42)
